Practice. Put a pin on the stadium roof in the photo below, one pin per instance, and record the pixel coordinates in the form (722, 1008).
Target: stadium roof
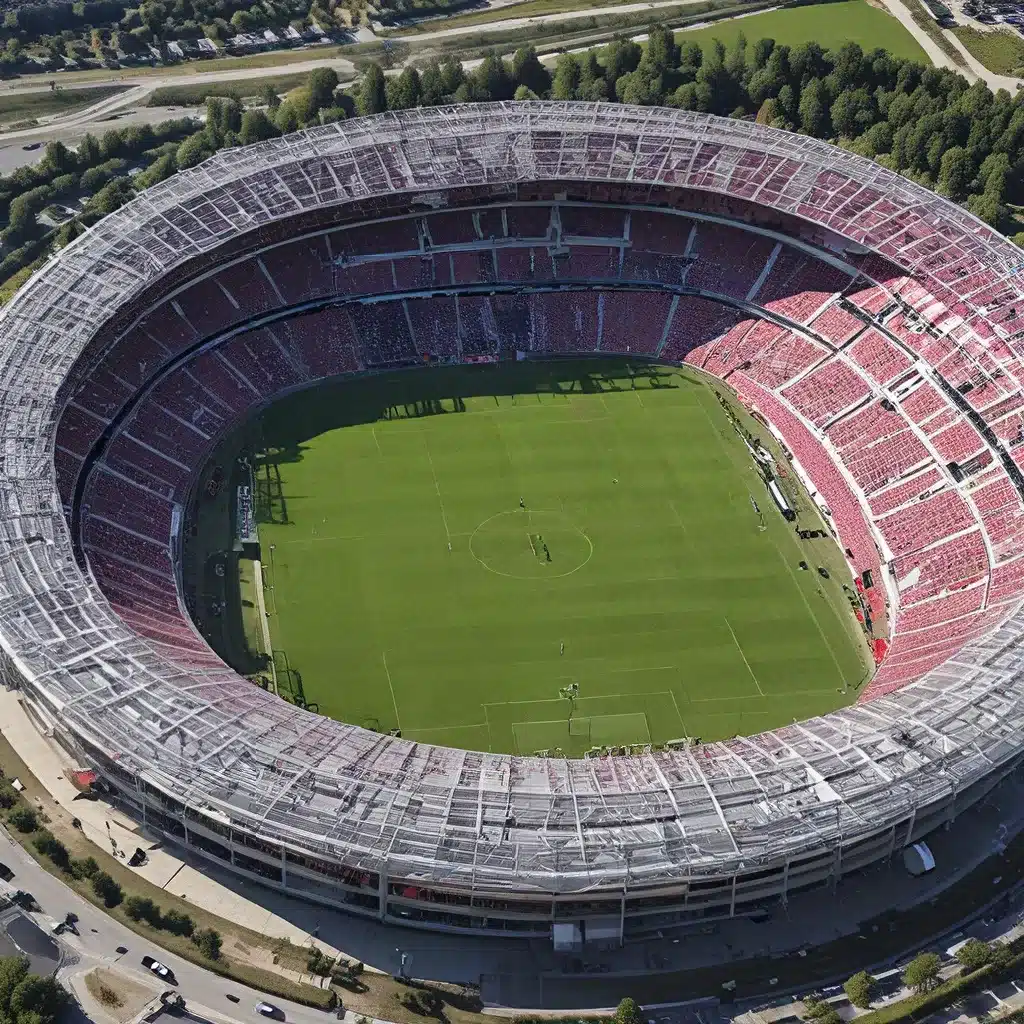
(222, 745)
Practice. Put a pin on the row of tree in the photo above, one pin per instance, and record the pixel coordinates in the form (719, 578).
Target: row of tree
(928, 124)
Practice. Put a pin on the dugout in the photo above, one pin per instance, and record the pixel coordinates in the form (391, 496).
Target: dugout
(780, 500)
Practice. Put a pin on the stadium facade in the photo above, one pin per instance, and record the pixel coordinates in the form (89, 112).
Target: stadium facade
(873, 323)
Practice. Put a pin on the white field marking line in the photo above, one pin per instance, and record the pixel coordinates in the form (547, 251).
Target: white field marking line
(562, 721)
(387, 672)
(645, 668)
(743, 656)
(373, 430)
(640, 400)
(726, 450)
(594, 696)
(679, 714)
(682, 526)
(748, 696)
(446, 728)
(297, 541)
(440, 501)
(810, 611)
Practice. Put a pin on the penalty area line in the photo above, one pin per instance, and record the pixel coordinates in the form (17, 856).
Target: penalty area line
(743, 656)
(394, 702)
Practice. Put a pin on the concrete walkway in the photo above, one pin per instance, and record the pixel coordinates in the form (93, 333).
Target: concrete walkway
(114, 832)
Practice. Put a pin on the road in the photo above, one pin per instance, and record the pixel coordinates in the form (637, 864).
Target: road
(129, 107)
(974, 69)
(100, 935)
(508, 24)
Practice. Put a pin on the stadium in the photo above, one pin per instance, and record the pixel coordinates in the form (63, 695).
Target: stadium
(873, 324)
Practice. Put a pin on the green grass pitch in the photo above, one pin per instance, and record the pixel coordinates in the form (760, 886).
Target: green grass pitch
(831, 25)
(477, 538)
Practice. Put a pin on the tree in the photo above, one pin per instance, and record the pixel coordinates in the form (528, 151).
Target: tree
(178, 923)
(662, 54)
(13, 971)
(142, 908)
(194, 150)
(53, 848)
(37, 1000)
(372, 92)
(494, 78)
(23, 818)
(955, 172)
(814, 109)
(820, 1011)
(58, 158)
(431, 86)
(922, 973)
(627, 1012)
(256, 127)
(403, 92)
(524, 92)
(567, 77)
(107, 889)
(858, 989)
(769, 112)
(331, 114)
(84, 867)
(852, 112)
(286, 118)
(322, 83)
(529, 71)
(452, 75)
(223, 115)
(160, 170)
(209, 942)
(269, 97)
(974, 954)
(620, 58)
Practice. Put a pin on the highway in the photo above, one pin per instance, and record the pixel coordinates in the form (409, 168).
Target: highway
(100, 935)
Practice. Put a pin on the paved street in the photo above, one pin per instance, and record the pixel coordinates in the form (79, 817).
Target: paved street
(100, 935)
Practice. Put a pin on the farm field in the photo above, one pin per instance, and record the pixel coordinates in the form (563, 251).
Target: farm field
(830, 24)
(467, 542)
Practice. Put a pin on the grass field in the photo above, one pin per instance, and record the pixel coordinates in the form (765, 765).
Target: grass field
(30, 106)
(638, 550)
(1001, 51)
(831, 25)
(525, 9)
(186, 95)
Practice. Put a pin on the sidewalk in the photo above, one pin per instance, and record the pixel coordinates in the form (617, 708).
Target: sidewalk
(117, 834)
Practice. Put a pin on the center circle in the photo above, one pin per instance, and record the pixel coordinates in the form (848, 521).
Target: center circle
(530, 544)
